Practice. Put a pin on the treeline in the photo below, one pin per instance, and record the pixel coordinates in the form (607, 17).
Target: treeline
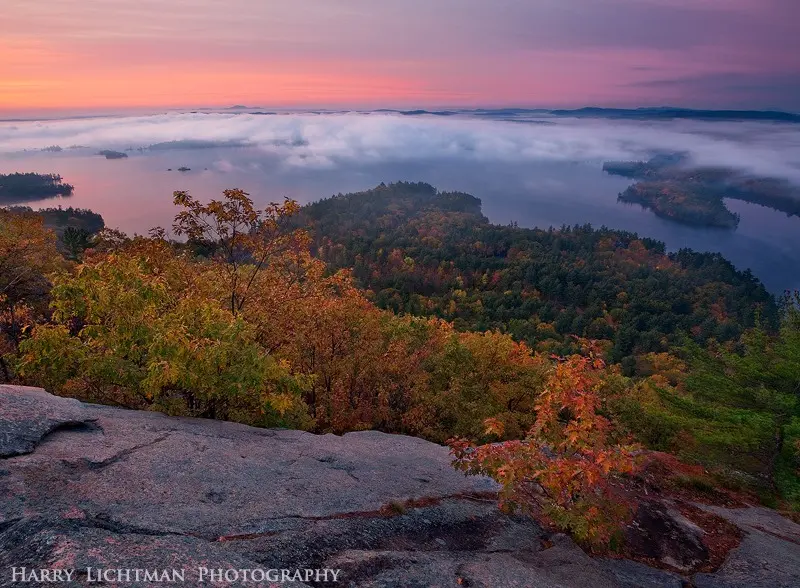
(20, 187)
(420, 252)
(58, 218)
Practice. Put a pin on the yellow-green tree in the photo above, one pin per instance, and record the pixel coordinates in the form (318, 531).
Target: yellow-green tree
(475, 376)
(28, 255)
(243, 241)
(136, 328)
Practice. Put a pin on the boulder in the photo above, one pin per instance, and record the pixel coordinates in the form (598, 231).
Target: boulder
(27, 415)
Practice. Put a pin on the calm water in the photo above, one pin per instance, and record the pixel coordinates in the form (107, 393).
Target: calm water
(134, 194)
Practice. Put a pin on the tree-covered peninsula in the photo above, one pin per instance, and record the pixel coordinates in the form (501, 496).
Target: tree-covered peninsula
(672, 188)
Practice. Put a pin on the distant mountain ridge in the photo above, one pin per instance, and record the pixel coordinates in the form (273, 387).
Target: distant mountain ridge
(666, 112)
(510, 113)
(645, 113)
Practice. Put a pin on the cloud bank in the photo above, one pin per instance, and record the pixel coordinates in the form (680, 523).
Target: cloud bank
(327, 140)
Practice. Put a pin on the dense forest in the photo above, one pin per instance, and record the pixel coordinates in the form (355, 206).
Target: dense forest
(673, 188)
(563, 360)
(22, 187)
(421, 252)
(683, 202)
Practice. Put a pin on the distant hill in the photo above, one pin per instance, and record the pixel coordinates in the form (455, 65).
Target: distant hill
(193, 144)
(420, 112)
(670, 113)
(648, 113)
(644, 113)
(508, 111)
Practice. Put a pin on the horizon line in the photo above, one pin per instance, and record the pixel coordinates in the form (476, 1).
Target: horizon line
(44, 114)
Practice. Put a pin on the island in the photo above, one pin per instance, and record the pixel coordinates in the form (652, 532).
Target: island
(673, 188)
(682, 202)
(59, 219)
(109, 154)
(24, 187)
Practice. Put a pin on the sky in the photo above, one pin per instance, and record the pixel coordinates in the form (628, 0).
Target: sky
(93, 55)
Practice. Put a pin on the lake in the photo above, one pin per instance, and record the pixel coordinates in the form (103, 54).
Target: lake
(135, 194)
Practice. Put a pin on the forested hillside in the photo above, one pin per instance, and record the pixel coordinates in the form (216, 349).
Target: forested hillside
(427, 253)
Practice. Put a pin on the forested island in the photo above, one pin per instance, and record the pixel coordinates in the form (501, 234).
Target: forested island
(670, 187)
(22, 187)
(685, 202)
(74, 228)
(110, 154)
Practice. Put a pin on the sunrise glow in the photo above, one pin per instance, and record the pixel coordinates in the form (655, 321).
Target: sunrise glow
(62, 54)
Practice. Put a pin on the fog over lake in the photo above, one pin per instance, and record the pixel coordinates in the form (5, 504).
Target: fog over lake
(534, 170)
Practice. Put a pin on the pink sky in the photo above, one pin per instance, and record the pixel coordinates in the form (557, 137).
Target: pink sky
(107, 54)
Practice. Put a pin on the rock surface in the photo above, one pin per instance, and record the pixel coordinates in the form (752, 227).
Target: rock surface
(662, 533)
(769, 555)
(84, 485)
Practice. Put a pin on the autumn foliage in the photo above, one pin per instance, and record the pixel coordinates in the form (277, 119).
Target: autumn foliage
(566, 466)
(28, 255)
(242, 322)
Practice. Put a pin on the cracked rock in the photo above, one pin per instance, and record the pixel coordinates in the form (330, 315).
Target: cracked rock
(84, 485)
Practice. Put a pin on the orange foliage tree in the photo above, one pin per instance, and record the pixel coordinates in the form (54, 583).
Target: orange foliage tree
(366, 365)
(566, 466)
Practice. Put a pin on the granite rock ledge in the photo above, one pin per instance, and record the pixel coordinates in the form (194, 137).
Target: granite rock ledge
(86, 485)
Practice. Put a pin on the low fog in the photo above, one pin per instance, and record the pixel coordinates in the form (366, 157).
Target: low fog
(327, 140)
